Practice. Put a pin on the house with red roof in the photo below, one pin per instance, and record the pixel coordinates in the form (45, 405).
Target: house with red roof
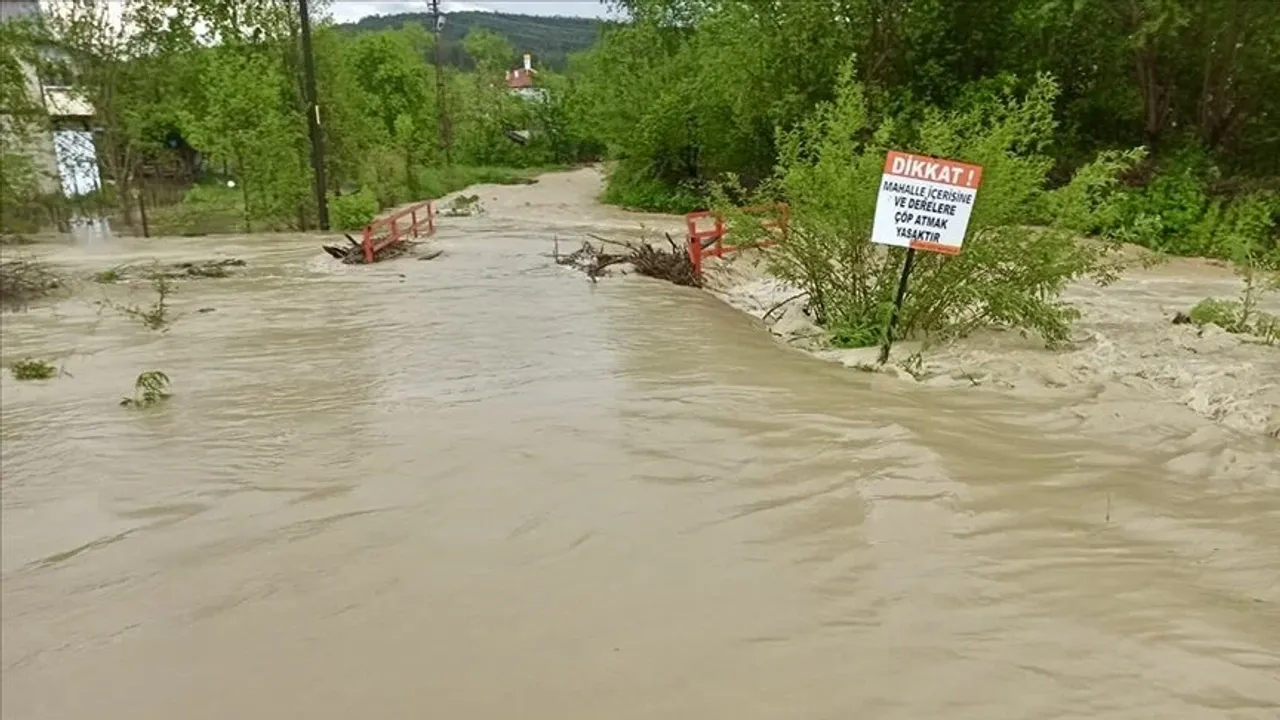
(520, 81)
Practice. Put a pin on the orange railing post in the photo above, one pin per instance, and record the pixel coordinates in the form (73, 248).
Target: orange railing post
(368, 243)
(695, 255)
(716, 235)
(414, 215)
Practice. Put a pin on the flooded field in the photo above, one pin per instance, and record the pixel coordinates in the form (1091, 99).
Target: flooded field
(483, 487)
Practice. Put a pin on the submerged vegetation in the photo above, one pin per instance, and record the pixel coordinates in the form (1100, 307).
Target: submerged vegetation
(158, 314)
(32, 369)
(150, 388)
(24, 280)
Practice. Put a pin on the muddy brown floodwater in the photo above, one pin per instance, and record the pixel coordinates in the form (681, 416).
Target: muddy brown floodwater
(481, 487)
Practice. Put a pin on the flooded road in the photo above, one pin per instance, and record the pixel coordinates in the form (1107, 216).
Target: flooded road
(482, 487)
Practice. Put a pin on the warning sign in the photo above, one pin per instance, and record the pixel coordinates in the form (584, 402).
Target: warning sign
(925, 202)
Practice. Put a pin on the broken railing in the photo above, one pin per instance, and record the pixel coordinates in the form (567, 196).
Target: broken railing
(702, 240)
(385, 232)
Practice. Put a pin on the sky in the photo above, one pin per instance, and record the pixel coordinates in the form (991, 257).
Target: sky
(352, 10)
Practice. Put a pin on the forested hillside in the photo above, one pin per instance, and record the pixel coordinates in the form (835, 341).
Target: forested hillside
(549, 39)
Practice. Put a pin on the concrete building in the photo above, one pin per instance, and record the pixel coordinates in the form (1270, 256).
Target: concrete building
(64, 151)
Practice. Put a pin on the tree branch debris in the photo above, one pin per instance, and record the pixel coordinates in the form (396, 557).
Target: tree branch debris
(671, 265)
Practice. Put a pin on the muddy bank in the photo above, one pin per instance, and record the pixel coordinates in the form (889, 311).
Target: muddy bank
(1125, 341)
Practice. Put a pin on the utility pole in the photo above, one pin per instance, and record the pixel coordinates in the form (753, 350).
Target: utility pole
(313, 116)
(446, 127)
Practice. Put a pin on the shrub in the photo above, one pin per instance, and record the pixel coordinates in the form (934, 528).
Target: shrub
(1093, 200)
(204, 209)
(30, 369)
(631, 186)
(353, 211)
(1176, 212)
(150, 388)
(1246, 233)
(1008, 275)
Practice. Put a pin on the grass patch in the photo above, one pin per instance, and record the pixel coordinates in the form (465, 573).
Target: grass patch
(438, 182)
(634, 189)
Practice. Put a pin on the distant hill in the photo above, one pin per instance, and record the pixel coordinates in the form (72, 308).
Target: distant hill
(550, 39)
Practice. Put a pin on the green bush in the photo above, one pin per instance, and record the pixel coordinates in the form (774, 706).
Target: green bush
(31, 369)
(1008, 275)
(1093, 201)
(1213, 311)
(1176, 213)
(634, 188)
(353, 211)
(204, 209)
(1237, 316)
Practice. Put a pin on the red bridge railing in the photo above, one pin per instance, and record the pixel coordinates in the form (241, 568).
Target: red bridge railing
(392, 229)
(711, 240)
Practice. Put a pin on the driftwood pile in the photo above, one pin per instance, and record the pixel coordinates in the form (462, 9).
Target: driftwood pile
(24, 280)
(462, 206)
(671, 265)
(353, 252)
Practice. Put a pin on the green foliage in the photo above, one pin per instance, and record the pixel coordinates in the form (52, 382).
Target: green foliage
(1213, 311)
(692, 90)
(1009, 275)
(151, 388)
(353, 211)
(204, 209)
(634, 188)
(210, 91)
(243, 120)
(22, 120)
(1236, 316)
(1092, 202)
(31, 369)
